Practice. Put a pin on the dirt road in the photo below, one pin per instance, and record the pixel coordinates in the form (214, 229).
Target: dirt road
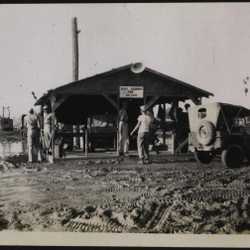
(170, 197)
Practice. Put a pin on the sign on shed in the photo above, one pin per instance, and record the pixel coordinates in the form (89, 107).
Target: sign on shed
(131, 91)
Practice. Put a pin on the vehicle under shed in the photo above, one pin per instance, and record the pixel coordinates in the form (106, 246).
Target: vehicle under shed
(102, 94)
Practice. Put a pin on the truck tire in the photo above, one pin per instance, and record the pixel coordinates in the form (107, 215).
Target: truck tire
(203, 157)
(233, 156)
(206, 133)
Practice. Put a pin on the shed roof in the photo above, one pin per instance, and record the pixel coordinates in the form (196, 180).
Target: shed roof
(154, 82)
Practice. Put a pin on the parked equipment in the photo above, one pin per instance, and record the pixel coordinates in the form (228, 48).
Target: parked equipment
(102, 132)
(220, 129)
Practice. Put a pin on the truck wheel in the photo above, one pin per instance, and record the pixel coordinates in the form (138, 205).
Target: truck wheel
(206, 133)
(232, 157)
(203, 157)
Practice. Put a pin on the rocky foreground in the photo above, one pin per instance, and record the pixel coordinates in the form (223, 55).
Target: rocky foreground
(108, 196)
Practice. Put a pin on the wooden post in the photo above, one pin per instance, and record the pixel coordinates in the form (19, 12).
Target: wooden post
(117, 132)
(117, 141)
(76, 140)
(86, 141)
(164, 132)
(81, 137)
(53, 104)
(176, 104)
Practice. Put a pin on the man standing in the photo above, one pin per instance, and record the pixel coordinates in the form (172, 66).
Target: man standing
(47, 132)
(33, 127)
(152, 132)
(123, 139)
(40, 145)
(181, 128)
(143, 126)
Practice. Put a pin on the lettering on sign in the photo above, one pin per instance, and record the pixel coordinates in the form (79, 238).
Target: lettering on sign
(131, 91)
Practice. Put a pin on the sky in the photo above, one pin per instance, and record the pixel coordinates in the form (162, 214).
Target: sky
(204, 44)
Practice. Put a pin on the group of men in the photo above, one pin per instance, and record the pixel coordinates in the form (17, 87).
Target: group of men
(146, 130)
(144, 126)
(39, 135)
(40, 132)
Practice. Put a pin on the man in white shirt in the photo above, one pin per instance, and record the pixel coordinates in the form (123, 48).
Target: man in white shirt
(143, 126)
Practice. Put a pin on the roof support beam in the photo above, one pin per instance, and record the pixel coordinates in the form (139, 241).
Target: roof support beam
(115, 105)
(59, 102)
(153, 100)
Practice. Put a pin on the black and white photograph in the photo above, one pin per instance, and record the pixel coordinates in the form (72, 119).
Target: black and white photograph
(125, 119)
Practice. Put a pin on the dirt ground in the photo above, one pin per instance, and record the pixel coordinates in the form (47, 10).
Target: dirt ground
(107, 196)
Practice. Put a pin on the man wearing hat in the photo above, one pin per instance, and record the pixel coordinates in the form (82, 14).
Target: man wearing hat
(33, 127)
(143, 126)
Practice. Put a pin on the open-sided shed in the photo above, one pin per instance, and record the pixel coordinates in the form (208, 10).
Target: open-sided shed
(74, 102)
(102, 94)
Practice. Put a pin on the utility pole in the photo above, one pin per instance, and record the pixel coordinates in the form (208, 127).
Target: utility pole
(76, 140)
(75, 50)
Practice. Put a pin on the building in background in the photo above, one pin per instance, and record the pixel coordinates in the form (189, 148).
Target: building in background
(6, 123)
